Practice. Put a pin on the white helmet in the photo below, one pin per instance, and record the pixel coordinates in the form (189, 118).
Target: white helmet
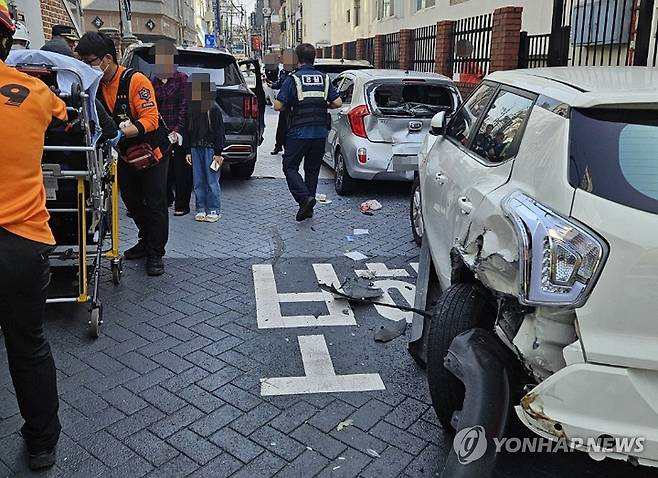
(21, 33)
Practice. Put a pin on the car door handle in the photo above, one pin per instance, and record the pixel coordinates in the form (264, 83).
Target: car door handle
(440, 178)
(465, 205)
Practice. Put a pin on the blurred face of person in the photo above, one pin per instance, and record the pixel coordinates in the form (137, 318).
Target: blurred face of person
(203, 93)
(272, 61)
(290, 61)
(165, 60)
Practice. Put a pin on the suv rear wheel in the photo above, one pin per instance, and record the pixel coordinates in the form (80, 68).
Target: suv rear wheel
(461, 307)
(344, 184)
(243, 170)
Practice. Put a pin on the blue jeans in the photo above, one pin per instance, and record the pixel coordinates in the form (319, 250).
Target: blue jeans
(206, 181)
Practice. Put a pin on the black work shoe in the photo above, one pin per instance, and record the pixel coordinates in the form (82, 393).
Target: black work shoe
(306, 209)
(276, 151)
(41, 460)
(154, 266)
(136, 252)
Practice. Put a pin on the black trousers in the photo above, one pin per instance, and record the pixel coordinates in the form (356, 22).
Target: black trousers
(145, 195)
(24, 280)
(179, 180)
(311, 151)
(281, 129)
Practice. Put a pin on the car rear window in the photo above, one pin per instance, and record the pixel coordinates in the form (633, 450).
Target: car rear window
(223, 70)
(409, 99)
(621, 164)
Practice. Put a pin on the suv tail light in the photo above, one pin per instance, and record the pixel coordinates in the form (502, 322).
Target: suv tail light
(356, 117)
(559, 259)
(250, 107)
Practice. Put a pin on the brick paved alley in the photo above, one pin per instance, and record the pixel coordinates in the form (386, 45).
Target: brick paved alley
(173, 385)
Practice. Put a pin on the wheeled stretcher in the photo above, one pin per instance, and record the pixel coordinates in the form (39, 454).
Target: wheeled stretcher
(82, 198)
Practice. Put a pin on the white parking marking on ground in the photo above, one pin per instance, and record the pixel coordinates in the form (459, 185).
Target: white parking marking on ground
(320, 374)
(377, 269)
(407, 290)
(415, 266)
(268, 301)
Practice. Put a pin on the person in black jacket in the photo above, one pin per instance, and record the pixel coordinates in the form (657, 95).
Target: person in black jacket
(204, 145)
(282, 124)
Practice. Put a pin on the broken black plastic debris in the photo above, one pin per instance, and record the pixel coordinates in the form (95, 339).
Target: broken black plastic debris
(391, 331)
(360, 299)
(360, 287)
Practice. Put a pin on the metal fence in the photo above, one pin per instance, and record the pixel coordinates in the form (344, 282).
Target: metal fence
(423, 48)
(369, 50)
(392, 51)
(351, 51)
(471, 47)
(534, 50)
(327, 51)
(602, 32)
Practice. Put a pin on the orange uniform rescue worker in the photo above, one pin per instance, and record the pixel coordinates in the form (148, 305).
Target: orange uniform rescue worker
(142, 141)
(25, 243)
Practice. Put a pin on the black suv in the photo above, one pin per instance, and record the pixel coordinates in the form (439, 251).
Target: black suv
(238, 103)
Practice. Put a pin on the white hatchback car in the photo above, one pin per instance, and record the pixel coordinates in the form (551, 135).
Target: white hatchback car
(540, 203)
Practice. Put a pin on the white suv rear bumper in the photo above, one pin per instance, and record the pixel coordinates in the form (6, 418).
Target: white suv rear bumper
(585, 401)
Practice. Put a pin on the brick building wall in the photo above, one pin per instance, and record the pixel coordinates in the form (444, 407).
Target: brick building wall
(53, 12)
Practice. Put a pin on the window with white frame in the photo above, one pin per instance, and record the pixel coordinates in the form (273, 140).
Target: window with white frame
(357, 13)
(385, 8)
(421, 4)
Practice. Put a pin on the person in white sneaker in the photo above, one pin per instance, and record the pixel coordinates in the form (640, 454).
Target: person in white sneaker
(205, 143)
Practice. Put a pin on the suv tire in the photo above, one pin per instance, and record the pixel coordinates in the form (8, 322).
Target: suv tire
(461, 307)
(343, 183)
(243, 170)
(416, 213)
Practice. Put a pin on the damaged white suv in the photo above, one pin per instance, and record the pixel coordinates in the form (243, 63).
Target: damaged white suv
(539, 199)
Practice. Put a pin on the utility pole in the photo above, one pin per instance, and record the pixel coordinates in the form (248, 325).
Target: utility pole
(218, 20)
(125, 22)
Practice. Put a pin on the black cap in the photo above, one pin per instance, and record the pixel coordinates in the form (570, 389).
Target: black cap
(64, 31)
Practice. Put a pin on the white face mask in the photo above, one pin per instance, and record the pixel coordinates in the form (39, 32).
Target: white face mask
(100, 69)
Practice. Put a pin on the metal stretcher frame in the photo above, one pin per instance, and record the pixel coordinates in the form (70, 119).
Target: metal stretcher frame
(100, 179)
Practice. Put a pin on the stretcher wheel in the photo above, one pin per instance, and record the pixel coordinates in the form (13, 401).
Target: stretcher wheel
(117, 271)
(76, 96)
(95, 321)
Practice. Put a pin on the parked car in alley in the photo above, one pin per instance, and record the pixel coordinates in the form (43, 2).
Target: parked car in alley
(334, 67)
(386, 114)
(238, 103)
(539, 199)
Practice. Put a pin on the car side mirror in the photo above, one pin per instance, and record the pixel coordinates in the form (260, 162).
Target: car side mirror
(438, 124)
